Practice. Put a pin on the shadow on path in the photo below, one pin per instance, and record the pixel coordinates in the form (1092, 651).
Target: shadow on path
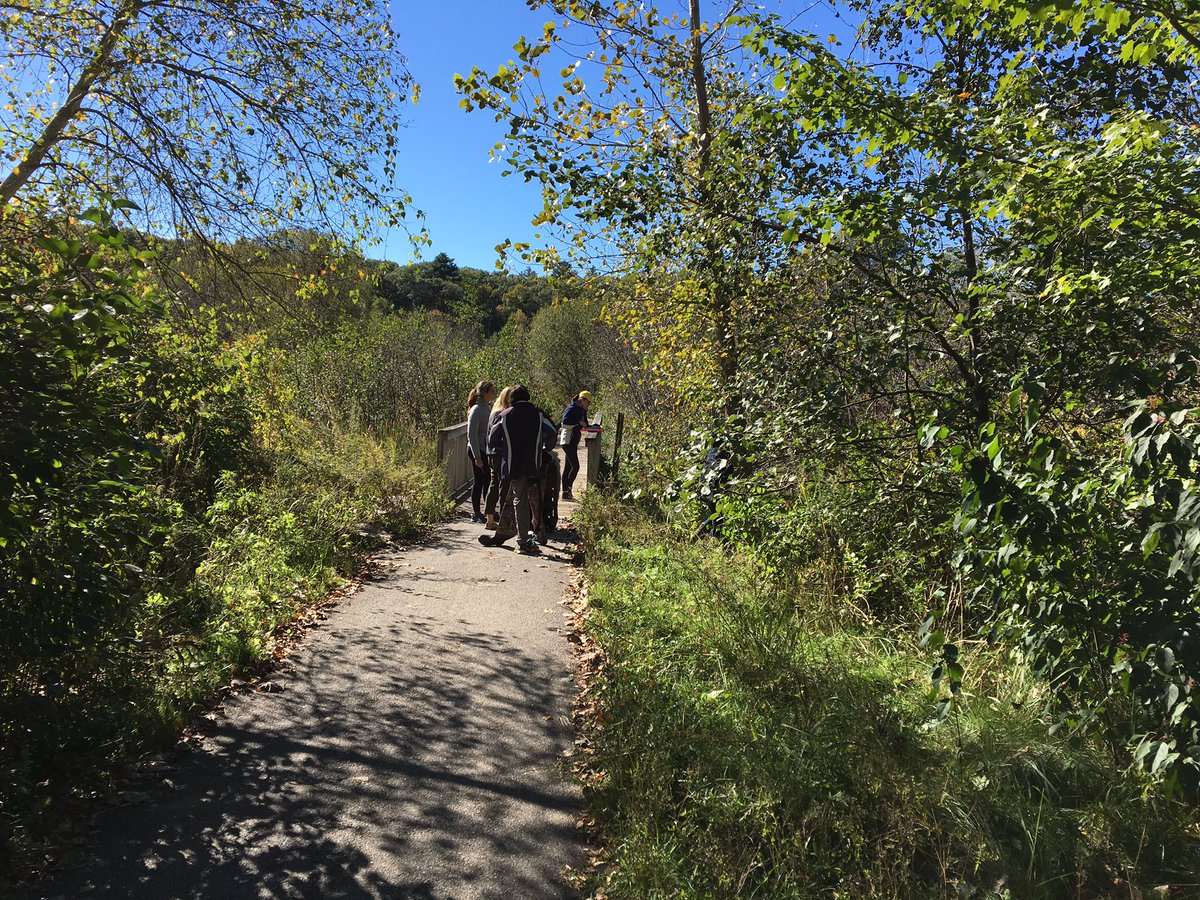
(415, 750)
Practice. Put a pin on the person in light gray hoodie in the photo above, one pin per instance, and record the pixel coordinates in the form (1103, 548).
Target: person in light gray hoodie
(479, 408)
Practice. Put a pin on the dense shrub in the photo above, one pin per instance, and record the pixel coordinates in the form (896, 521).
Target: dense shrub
(387, 375)
(561, 352)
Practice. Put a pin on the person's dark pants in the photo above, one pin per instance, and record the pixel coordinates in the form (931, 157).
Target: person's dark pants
(571, 469)
(493, 492)
(483, 475)
(520, 512)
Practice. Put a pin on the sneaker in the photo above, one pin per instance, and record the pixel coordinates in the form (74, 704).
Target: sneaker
(490, 524)
(530, 545)
(485, 539)
(567, 495)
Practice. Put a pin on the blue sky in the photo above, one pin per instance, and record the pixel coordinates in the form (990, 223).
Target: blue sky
(444, 162)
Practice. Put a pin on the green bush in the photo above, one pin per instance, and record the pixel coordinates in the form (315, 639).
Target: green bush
(504, 359)
(561, 352)
(78, 522)
(392, 375)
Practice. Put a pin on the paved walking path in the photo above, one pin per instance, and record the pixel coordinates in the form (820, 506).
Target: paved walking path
(414, 749)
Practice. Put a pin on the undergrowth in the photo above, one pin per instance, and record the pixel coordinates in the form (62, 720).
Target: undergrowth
(266, 547)
(149, 567)
(748, 739)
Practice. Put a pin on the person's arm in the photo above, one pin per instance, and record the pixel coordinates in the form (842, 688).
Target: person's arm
(495, 441)
(477, 433)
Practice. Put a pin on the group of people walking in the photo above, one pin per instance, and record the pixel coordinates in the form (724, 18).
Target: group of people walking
(510, 443)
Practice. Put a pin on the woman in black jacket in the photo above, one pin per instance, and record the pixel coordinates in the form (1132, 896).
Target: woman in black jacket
(573, 419)
(495, 493)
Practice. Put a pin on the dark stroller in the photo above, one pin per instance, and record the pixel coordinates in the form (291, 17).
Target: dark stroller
(551, 481)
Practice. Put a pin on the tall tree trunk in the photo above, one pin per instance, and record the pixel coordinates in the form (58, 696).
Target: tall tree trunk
(700, 78)
(980, 401)
(721, 306)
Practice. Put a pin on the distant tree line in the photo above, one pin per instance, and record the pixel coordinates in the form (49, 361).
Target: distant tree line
(485, 299)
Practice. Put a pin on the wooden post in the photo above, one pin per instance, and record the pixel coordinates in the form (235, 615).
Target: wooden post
(616, 465)
(591, 441)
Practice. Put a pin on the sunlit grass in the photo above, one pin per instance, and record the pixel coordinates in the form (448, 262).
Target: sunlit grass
(750, 743)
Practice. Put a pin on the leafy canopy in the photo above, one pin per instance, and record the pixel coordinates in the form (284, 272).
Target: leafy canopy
(218, 118)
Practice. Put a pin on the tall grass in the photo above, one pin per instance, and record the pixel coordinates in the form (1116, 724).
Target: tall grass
(752, 740)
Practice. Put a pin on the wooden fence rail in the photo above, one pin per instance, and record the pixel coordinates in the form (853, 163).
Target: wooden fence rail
(452, 454)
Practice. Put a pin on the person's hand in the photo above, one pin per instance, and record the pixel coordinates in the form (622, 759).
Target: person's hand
(478, 463)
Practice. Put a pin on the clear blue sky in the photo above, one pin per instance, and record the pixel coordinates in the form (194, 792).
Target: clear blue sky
(444, 162)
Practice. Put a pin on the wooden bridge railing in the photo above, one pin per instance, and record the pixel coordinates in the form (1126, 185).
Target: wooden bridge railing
(591, 443)
(452, 454)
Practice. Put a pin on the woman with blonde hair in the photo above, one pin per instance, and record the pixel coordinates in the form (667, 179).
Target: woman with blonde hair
(479, 401)
(503, 402)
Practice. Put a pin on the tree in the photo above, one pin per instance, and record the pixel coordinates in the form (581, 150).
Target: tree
(443, 268)
(561, 351)
(647, 161)
(1011, 207)
(482, 292)
(301, 281)
(218, 118)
